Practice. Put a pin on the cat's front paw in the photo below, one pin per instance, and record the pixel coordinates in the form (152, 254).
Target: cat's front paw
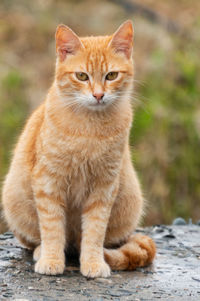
(50, 266)
(94, 269)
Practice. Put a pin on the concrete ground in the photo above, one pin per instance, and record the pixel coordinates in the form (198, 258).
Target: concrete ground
(175, 274)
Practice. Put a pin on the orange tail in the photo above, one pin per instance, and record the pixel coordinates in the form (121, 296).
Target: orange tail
(139, 251)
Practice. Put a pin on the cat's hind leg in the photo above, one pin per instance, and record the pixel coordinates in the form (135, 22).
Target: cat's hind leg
(19, 209)
(135, 250)
(24, 241)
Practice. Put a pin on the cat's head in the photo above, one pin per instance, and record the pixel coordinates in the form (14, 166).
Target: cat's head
(94, 72)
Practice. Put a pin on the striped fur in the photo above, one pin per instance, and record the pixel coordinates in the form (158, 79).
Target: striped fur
(71, 181)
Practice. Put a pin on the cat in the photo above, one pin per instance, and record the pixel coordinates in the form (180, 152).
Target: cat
(71, 181)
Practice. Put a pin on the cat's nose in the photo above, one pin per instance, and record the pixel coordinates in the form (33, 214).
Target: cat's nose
(98, 96)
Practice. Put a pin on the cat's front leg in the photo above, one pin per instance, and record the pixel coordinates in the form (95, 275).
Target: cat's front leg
(51, 213)
(95, 216)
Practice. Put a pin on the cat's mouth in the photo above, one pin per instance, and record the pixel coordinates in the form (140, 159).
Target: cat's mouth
(97, 105)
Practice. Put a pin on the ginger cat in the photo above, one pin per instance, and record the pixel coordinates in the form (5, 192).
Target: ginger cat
(71, 181)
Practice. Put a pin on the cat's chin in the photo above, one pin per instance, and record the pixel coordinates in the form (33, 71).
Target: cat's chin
(97, 107)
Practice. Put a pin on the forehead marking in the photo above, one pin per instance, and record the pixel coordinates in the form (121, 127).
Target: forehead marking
(96, 62)
(87, 61)
(104, 62)
(91, 64)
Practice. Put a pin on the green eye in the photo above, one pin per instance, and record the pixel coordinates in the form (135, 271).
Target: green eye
(111, 75)
(82, 76)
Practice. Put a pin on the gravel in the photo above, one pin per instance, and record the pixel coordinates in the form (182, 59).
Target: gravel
(175, 274)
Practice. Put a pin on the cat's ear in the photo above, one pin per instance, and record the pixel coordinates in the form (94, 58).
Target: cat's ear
(67, 42)
(122, 40)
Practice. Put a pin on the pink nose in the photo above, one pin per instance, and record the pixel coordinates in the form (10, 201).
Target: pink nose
(98, 96)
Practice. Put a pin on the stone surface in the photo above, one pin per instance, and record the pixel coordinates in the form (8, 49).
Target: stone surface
(175, 274)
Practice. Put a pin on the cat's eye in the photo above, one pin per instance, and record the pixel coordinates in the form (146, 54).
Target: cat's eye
(111, 75)
(82, 76)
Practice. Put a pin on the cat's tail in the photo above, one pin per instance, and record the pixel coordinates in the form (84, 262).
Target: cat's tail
(138, 251)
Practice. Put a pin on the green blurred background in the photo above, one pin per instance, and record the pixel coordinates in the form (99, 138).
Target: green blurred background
(165, 138)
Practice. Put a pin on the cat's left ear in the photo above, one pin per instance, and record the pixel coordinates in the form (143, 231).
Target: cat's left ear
(122, 40)
(67, 42)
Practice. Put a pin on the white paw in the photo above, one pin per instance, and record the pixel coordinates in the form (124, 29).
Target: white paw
(36, 253)
(50, 266)
(93, 269)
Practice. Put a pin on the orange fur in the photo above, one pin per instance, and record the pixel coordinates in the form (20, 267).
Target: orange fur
(71, 180)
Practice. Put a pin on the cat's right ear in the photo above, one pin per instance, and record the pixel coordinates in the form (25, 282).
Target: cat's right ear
(122, 40)
(67, 42)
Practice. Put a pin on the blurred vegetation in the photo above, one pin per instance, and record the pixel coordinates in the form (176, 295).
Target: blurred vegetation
(167, 132)
(165, 137)
(13, 111)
